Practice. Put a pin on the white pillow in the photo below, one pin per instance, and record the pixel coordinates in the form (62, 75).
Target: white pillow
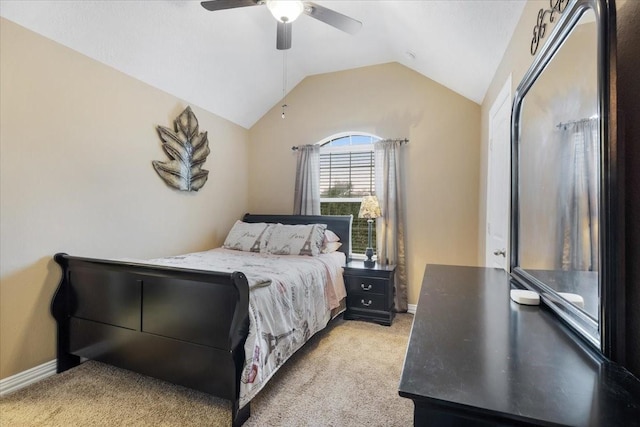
(330, 247)
(296, 239)
(248, 237)
(330, 236)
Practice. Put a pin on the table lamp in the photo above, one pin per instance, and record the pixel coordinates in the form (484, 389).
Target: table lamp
(370, 209)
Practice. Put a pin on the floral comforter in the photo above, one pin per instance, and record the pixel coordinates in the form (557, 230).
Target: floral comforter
(290, 299)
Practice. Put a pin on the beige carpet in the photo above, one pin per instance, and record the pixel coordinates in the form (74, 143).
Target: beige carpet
(346, 375)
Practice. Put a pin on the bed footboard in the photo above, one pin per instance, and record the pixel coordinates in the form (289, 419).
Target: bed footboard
(184, 326)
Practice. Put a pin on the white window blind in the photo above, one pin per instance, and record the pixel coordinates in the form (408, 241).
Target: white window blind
(346, 174)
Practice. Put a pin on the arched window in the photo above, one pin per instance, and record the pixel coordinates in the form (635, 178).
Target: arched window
(346, 175)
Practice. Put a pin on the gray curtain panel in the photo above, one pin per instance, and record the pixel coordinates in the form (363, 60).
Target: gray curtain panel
(390, 227)
(307, 191)
(578, 197)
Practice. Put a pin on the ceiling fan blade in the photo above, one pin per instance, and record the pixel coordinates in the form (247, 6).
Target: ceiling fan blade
(214, 5)
(283, 38)
(331, 17)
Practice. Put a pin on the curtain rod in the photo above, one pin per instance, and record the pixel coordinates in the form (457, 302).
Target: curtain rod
(574, 122)
(400, 140)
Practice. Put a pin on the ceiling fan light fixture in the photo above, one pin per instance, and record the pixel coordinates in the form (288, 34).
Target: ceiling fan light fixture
(285, 10)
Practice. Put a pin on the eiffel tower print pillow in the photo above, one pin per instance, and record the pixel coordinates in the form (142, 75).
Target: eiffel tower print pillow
(296, 239)
(248, 237)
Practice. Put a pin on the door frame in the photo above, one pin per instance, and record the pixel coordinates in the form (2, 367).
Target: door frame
(503, 96)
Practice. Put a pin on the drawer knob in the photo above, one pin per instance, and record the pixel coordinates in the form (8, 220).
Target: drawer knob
(366, 304)
(365, 288)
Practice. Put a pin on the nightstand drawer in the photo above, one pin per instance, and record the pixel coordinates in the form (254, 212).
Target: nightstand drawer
(366, 285)
(369, 292)
(366, 302)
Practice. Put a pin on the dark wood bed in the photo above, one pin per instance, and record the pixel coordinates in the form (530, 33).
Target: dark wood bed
(184, 326)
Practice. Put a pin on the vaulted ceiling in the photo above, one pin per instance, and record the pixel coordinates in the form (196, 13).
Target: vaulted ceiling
(227, 62)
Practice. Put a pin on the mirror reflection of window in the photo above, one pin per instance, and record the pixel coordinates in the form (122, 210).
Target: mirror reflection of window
(578, 195)
(558, 170)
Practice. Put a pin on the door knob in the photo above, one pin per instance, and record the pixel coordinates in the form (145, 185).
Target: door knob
(502, 252)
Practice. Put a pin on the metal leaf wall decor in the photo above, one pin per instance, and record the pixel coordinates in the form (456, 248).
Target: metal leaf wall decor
(187, 150)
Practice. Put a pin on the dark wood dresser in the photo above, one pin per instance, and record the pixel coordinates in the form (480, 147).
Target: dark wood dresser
(476, 358)
(369, 292)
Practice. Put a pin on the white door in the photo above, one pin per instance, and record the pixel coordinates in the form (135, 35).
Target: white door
(498, 180)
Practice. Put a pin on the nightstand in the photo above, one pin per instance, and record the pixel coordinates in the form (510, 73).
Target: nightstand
(369, 292)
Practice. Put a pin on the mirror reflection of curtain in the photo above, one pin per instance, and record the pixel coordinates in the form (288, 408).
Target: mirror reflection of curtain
(390, 228)
(579, 196)
(306, 199)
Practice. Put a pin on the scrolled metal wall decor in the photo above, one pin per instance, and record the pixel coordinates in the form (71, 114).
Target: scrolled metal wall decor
(187, 150)
(556, 6)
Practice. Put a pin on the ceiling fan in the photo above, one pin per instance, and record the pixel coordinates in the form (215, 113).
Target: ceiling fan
(287, 11)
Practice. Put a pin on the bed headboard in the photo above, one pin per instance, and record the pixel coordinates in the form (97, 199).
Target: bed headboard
(339, 224)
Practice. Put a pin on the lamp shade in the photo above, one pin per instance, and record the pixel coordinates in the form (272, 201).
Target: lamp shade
(369, 208)
(285, 10)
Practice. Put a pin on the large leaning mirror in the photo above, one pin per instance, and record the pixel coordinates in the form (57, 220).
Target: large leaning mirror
(565, 240)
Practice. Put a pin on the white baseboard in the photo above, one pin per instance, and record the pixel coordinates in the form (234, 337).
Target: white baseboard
(25, 378)
(411, 308)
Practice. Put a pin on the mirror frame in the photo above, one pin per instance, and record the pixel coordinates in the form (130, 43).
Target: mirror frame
(607, 333)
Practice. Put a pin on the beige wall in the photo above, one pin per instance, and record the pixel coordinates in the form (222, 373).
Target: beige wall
(76, 144)
(390, 100)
